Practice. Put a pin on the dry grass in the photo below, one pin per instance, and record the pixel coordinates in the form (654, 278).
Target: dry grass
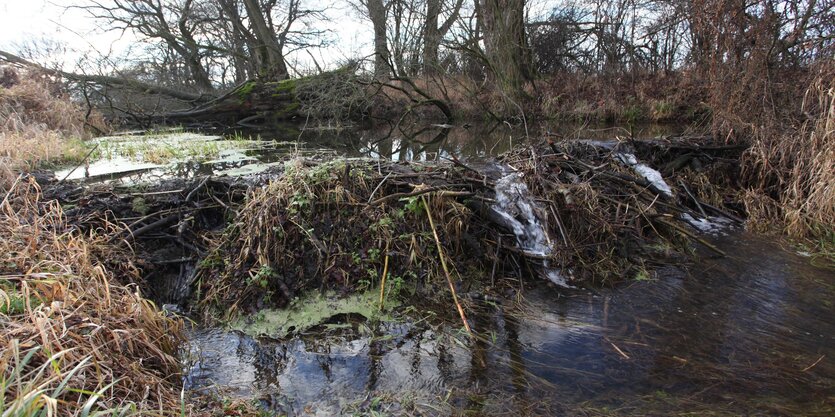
(793, 167)
(314, 227)
(39, 124)
(69, 329)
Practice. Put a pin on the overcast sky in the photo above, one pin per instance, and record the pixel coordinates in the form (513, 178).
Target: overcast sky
(23, 21)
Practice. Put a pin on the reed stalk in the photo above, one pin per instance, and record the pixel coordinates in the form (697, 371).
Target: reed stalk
(444, 266)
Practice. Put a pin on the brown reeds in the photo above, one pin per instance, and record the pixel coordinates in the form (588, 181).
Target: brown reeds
(72, 336)
(40, 124)
(789, 168)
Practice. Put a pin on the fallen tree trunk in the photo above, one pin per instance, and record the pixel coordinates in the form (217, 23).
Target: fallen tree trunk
(251, 104)
(333, 95)
(124, 82)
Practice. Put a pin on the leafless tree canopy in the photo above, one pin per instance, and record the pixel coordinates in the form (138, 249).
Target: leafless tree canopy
(205, 48)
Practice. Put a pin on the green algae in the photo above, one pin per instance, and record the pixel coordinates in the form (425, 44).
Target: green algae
(313, 310)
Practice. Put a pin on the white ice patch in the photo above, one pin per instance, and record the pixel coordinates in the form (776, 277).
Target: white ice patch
(115, 167)
(710, 225)
(647, 172)
(514, 204)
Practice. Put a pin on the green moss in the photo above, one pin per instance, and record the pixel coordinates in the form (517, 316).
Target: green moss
(310, 311)
(246, 90)
(287, 111)
(139, 205)
(286, 86)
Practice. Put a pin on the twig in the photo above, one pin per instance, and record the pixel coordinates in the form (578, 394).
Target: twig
(79, 164)
(418, 192)
(724, 213)
(165, 221)
(693, 197)
(495, 263)
(14, 184)
(443, 265)
(622, 353)
(694, 237)
(193, 192)
(813, 365)
(383, 280)
(379, 185)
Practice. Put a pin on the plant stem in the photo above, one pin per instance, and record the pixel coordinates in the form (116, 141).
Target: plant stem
(443, 265)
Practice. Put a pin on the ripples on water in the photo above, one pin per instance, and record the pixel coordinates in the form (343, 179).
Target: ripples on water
(752, 333)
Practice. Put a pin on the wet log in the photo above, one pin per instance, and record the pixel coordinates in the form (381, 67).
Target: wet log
(250, 104)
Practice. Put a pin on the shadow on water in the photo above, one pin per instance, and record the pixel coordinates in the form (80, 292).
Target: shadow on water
(748, 334)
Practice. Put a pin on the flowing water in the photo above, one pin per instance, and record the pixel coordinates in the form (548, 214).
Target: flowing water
(520, 212)
(750, 334)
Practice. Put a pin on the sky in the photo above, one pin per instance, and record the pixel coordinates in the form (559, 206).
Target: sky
(23, 21)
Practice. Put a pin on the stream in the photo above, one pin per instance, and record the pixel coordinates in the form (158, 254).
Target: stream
(749, 334)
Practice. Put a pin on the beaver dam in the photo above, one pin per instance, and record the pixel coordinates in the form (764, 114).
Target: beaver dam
(557, 277)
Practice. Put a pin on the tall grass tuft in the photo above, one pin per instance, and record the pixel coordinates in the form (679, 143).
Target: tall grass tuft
(793, 169)
(76, 342)
(40, 124)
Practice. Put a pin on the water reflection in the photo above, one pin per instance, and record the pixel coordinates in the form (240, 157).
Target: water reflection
(727, 336)
(135, 158)
(428, 143)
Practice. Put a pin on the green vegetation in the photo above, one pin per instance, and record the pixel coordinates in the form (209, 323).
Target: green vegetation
(167, 147)
(245, 90)
(312, 310)
(11, 301)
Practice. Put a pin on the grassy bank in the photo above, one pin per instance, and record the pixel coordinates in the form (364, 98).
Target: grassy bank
(39, 125)
(78, 340)
(75, 338)
(570, 97)
(789, 168)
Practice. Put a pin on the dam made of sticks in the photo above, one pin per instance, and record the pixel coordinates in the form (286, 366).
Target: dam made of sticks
(299, 262)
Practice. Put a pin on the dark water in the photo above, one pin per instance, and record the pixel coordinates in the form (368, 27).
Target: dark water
(751, 334)
(268, 149)
(428, 143)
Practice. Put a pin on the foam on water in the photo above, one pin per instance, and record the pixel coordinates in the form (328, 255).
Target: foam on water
(515, 205)
(712, 225)
(647, 172)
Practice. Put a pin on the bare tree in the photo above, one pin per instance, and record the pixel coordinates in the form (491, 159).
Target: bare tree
(505, 44)
(435, 31)
(175, 23)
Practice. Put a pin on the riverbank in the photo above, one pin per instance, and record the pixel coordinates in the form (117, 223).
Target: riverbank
(232, 242)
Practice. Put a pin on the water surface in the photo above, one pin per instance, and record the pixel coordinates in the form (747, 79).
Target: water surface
(751, 334)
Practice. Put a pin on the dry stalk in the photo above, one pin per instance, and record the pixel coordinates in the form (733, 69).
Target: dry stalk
(444, 265)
